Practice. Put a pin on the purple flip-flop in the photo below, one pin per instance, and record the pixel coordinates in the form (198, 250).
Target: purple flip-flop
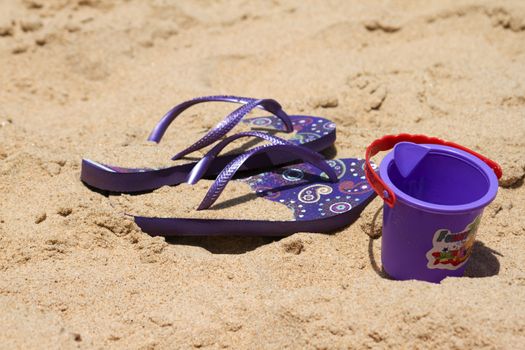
(314, 133)
(324, 195)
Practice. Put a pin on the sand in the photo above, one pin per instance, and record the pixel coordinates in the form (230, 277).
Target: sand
(94, 76)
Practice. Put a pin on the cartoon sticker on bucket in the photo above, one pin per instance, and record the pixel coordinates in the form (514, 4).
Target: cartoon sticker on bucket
(452, 249)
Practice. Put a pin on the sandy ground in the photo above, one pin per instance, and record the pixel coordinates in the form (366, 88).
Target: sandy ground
(85, 76)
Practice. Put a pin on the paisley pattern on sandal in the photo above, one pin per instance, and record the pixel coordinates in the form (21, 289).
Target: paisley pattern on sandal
(290, 187)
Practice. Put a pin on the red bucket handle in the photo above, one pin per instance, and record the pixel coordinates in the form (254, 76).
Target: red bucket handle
(389, 141)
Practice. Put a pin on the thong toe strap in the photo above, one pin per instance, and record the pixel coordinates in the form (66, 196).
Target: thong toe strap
(229, 170)
(203, 165)
(223, 127)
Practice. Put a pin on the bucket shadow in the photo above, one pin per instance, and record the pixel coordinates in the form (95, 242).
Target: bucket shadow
(482, 263)
(373, 236)
(378, 270)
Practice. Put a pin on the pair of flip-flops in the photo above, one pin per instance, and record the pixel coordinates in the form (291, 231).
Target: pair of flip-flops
(321, 195)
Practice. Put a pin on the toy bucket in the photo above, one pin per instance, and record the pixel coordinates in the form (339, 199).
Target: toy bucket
(434, 193)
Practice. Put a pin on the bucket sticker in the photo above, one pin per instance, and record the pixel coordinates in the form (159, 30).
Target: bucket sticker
(451, 250)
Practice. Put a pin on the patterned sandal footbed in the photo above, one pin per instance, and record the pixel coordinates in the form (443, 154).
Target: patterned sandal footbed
(318, 204)
(313, 132)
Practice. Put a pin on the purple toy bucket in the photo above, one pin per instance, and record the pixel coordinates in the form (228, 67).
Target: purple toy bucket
(435, 192)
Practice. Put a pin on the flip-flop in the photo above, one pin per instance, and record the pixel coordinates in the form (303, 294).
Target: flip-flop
(316, 133)
(322, 196)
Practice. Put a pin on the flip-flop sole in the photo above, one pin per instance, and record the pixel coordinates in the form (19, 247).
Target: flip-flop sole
(314, 133)
(317, 205)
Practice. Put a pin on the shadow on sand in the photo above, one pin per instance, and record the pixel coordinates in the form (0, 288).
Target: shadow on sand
(224, 244)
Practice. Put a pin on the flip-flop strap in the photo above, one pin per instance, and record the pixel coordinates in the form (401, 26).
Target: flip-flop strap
(228, 123)
(169, 117)
(229, 170)
(202, 166)
(224, 126)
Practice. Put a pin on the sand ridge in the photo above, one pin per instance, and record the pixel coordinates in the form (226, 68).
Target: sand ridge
(93, 77)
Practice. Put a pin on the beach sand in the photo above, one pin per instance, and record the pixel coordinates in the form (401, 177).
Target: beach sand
(82, 77)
